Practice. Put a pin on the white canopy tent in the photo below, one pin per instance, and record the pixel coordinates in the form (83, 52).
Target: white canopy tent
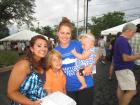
(116, 29)
(24, 35)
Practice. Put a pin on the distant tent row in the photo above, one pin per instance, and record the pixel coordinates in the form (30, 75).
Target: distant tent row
(24, 35)
(15, 41)
(116, 29)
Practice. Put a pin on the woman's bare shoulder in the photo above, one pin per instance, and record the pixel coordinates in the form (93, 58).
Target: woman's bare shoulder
(22, 66)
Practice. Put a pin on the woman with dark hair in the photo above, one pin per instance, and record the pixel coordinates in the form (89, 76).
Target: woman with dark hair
(25, 85)
(65, 46)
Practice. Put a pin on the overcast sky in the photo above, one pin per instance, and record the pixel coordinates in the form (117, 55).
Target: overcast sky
(50, 12)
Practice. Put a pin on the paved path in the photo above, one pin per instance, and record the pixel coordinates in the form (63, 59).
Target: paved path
(105, 90)
(3, 87)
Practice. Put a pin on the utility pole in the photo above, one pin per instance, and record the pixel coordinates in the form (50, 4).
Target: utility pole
(84, 15)
(77, 17)
(87, 16)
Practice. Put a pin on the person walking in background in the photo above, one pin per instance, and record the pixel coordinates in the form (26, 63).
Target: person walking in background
(123, 65)
(111, 48)
(135, 44)
(55, 78)
(25, 85)
(65, 46)
(88, 57)
(102, 44)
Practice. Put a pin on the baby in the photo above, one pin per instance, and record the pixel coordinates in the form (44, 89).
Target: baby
(88, 57)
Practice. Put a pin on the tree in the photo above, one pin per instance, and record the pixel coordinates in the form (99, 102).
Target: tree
(11, 11)
(4, 31)
(106, 21)
(16, 10)
(74, 31)
(48, 31)
(38, 30)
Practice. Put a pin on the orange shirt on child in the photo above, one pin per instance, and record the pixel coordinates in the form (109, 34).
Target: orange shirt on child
(55, 81)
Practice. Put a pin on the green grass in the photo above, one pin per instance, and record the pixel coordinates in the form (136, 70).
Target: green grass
(8, 58)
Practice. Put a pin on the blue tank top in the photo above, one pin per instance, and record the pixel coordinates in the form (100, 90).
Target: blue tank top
(32, 86)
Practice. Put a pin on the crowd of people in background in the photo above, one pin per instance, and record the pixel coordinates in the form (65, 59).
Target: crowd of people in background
(69, 66)
(22, 46)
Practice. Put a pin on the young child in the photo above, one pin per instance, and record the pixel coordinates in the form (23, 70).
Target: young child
(55, 78)
(88, 57)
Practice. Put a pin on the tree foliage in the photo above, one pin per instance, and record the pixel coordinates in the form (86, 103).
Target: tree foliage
(16, 10)
(11, 11)
(74, 31)
(4, 31)
(106, 21)
(46, 30)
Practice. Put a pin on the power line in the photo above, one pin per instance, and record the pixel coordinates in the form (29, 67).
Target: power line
(130, 9)
(110, 2)
(132, 15)
(126, 16)
(117, 10)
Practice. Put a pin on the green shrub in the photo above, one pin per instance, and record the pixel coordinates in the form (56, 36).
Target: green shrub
(8, 58)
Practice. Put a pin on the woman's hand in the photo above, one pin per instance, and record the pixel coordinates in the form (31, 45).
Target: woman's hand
(88, 70)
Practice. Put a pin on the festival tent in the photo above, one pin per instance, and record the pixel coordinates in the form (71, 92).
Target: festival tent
(116, 29)
(24, 35)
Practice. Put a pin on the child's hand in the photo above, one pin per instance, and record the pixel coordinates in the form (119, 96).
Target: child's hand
(73, 51)
(88, 70)
(37, 102)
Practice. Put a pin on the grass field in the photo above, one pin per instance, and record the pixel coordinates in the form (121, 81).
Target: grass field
(8, 58)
